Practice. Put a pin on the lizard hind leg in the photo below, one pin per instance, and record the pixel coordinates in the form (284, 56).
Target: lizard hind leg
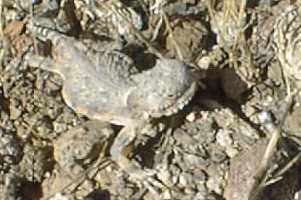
(119, 150)
(45, 63)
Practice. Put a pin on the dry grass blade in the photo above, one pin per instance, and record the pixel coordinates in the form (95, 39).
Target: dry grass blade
(233, 18)
(99, 164)
(1, 32)
(280, 38)
(77, 180)
(119, 12)
(35, 42)
(1, 20)
(288, 165)
(264, 171)
(178, 50)
(230, 24)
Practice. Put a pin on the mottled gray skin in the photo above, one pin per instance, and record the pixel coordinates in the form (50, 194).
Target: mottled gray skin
(106, 86)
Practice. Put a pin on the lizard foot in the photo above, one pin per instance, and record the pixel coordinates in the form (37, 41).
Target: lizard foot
(146, 178)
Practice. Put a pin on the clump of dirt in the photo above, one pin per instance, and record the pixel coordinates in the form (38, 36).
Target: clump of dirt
(238, 139)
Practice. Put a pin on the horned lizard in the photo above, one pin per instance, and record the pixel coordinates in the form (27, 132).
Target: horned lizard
(108, 87)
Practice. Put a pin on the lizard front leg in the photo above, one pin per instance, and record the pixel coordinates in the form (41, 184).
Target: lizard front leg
(37, 61)
(136, 174)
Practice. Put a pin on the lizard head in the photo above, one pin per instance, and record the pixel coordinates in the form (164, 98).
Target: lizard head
(164, 89)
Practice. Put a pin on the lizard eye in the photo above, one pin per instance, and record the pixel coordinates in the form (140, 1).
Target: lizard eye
(171, 95)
